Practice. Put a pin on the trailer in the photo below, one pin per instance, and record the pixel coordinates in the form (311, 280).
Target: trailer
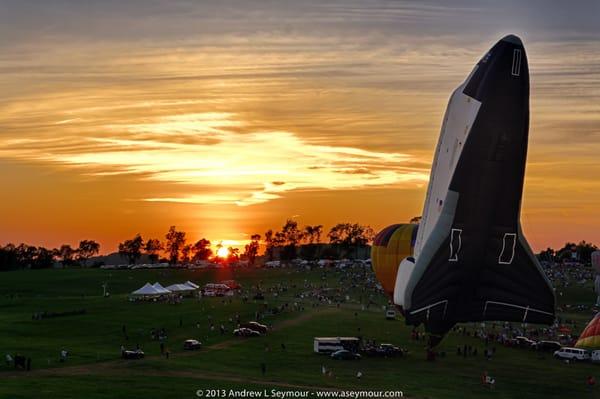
(332, 344)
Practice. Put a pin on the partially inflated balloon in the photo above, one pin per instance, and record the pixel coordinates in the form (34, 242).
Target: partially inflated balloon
(390, 246)
(590, 337)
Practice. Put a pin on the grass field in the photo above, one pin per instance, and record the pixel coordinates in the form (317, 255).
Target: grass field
(93, 339)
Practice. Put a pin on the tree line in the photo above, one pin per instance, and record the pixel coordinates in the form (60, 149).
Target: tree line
(176, 248)
(582, 252)
(29, 256)
(294, 241)
(287, 243)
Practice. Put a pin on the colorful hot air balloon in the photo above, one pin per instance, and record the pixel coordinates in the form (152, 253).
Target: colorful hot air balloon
(390, 246)
(590, 337)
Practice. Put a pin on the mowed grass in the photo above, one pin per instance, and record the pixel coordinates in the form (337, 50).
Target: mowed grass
(94, 370)
(114, 387)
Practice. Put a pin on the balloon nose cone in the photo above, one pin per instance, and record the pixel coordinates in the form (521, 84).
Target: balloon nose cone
(512, 39)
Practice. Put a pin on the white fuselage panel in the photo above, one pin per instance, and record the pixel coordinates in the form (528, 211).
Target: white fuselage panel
(460, 115)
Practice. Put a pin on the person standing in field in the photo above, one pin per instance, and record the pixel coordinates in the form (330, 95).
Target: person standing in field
(591, 381)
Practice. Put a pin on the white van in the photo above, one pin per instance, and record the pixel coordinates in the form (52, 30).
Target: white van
(572, 354)
(596, 356)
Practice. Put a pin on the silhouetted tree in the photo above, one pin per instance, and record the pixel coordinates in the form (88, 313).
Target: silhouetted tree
(251, 249)
(175, 242)
(185, 253)
(87, 249)
(583, 251)
(317, 231)
(290, 237)
(548, 255)
(8, 257)
(66, 253)
(312, 234)
(44, 258)
(201, 250)
(350, 236)
(233, 254)
(25, 255)
(270, 244)
(152, 248)
(132, 249)
(312, 237)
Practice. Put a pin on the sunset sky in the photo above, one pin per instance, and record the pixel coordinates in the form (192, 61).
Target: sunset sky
(225, 118)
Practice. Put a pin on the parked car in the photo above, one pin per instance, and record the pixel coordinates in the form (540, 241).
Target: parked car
(390, 314)
(245, 332)
(548, 346)
(524, 342)
(383, 350)
(256, 326)
(191, 344)
(389, 350)
(567, 339)
(572, 354)
(135, 354)
(344, 354)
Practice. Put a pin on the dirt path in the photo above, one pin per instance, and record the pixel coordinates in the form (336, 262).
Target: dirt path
(278, 326)
(117, 367)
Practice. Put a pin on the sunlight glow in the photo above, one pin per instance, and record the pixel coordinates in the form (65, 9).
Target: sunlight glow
(223, 252)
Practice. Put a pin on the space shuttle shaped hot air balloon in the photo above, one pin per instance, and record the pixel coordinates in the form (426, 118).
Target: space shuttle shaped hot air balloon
(470, 260)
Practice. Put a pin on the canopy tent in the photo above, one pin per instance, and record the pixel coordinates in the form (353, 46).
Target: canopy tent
(147, 290)
(180, 288)
(158, 287)
(193, 285)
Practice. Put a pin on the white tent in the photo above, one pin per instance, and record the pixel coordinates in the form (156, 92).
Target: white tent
(190, 284)
(180, 288)
(158, 287)
(146, 290)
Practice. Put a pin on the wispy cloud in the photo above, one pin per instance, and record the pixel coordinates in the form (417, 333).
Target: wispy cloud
(260, 166)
